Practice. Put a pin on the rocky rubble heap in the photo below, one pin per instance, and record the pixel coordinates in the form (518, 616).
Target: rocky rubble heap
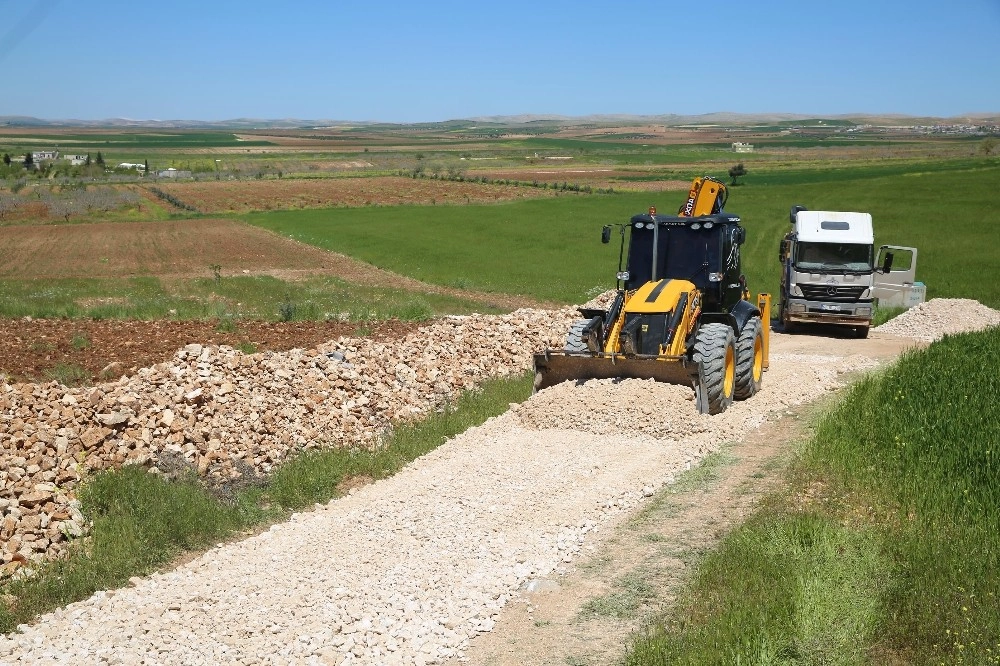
(227, 413)
(939, 317)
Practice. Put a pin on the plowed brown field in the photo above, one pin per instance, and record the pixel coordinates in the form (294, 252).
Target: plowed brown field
(168, 248)
(244, 196)
(187, 248)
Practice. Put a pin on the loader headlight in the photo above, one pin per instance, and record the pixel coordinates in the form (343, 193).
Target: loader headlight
(696, 226)
(795, 291)
(709, 225)
(716, 277)
(649, 225)
(638, 225)
(623, 276)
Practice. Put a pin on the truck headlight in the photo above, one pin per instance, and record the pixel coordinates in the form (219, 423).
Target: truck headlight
(623, 276)
(795, 291)
(863, 312)
(796, 307)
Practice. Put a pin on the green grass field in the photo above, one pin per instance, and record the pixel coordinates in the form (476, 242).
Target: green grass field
(884, 547)
(550, 249)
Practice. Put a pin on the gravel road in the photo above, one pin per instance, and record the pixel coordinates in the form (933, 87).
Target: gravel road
(410, 569)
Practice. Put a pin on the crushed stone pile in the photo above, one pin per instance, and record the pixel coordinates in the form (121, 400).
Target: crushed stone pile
(933, 319)
(229, 414)
(409, 569)
(602, 301)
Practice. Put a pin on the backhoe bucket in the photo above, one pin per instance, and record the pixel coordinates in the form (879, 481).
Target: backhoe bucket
(553, 368)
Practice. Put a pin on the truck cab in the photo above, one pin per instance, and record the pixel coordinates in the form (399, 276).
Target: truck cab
(829, 272)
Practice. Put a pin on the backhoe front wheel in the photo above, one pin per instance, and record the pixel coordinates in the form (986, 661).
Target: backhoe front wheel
(715, 352)
(749, 359)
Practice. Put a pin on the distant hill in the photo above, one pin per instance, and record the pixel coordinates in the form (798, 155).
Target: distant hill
(716, 118)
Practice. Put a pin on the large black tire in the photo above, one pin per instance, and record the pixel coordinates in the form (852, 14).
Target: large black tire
(715, 351)
(749, 359)
(861, 332)
(574, 337)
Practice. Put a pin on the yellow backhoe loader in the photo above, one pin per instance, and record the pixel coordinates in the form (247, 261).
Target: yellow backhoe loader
(681, 313)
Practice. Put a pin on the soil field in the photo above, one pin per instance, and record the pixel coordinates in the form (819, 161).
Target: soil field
(168, 248)
(245, 196)
(106, 350)
(181, 249)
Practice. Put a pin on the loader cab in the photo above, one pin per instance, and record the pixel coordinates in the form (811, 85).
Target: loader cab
(703, 250)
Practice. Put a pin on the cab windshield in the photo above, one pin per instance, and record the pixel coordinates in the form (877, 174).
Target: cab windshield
(833, 257)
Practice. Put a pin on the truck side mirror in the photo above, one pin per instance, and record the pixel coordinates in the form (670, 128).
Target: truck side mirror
(606, 234)
(794, 211)
(887, 264)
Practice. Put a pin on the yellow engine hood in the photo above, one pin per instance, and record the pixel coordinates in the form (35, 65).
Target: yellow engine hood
(658, 296)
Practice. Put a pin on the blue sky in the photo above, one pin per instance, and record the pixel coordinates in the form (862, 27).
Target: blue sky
(429, 61)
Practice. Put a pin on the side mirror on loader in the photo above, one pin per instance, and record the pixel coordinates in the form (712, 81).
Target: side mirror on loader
(606, 234)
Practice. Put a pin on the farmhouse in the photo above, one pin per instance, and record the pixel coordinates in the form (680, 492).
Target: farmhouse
(741, 147)
(132, 165)
(76, 160)
(40, 155)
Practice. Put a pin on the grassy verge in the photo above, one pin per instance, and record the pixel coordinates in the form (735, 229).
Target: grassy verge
(884, 550)
(241, 297)
(141, 522)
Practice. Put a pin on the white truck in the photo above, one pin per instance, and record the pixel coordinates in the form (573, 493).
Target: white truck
(831, 273)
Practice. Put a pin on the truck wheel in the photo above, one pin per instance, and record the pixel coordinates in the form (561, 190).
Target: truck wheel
(749, 359)
(861, 332)
(574, 338)
(715, 352)
(787, 325)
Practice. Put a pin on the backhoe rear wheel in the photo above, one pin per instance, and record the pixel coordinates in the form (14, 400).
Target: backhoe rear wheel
(574, 337)
(749, 359)
(715, 351)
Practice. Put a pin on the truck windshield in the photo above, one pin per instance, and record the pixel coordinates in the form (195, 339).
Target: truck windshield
(833, 257)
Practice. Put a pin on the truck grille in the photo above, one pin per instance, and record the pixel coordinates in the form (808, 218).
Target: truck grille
(836, 293)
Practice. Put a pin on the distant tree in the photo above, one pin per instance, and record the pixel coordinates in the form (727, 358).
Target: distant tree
(6, 159)
(987, 146)
(100, 159)
(737, 172)
(87, 163)
(145, 167)
(29, 161)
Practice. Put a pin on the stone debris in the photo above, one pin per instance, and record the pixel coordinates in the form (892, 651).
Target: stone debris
(223, 412)
(933, 319)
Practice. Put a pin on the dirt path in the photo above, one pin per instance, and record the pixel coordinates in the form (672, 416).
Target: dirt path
(572, 487)
(629, 575)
